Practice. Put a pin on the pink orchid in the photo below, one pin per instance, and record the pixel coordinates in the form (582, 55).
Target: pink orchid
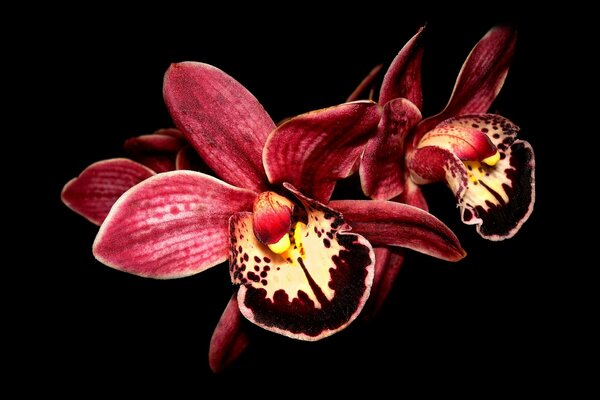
(477, 155)
(301, 271)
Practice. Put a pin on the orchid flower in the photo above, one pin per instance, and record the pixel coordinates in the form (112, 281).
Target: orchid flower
(302, 271)
(490, 172)
(97, 188)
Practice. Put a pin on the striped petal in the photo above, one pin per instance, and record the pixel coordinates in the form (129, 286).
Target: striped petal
(99, 186)
(222, 120)
(495, 196)
(314, 150)
(310, 291)
(229, 339)
(403, 78)
(382, 170)
(387, 223)
(172, 225)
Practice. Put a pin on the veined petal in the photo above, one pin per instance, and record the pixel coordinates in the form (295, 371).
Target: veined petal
(313, 290)
(388, 261)
(222, 120)
(386, 223)
(99, 186)
(480, 79)
(382, 165)
(466, 142)
(229, 339)
(314, 150)
(365, 86)
(172, 225)
(497, 198)
(403, 78)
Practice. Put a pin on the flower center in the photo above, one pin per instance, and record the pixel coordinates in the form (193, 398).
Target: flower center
(272, 221)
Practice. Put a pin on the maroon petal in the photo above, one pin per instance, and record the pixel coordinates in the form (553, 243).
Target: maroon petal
(412, 195)
(382, 165)
(156, 162)
(480, 79)
(366, 86)
(170, 132)
(222, 120)
(171, 225)
(403, 78)
(187, 158)
(498, 197)
(99, 186)
(310, 291)
(154, 143)
(388, 223)
(229, 339)
(272, 217)
(314, 150)
(388, 261)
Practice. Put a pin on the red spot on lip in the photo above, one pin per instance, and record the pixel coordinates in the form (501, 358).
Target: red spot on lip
(174, 210)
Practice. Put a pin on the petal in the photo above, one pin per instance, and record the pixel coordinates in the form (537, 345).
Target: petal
(229, 339)
(222, 120)
(171, 225)
(467, 142)
(156, 162)
(412, 195)
(497, 198)
(170, 132)
(382, 164)
(99, 186)
(365, 86)
(394, 224)
(154, 143)
(314, 150)
(403, 78)
(389, 260)
(481, 77)
(314, 290)
(187, 158)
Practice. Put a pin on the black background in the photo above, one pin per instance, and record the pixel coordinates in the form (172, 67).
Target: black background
(482, 321)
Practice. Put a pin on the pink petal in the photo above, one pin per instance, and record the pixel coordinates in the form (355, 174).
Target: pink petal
(229, 339)
(99, 186)
(480, 79)
(171, 225)
(394, 224)
(313, 290)
(314, 150)
(388, 261)
(222, 120)
(497, 198)
(382, 165)
(466, 142)
(403, 78)
(365, 86)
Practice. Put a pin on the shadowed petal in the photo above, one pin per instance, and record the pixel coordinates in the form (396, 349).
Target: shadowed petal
(156, 162)
(170, 132)
(480, 79)
(382, 165)
(222, 120)
(403, 78)
(313, 290)
(99, 186)
(394, 224)
(187, 158)
(171, 225)
(388, 261)
(154, 143)
(412, 195)
(229, 339)
(498, 198)
(365, 86)
(314, 150)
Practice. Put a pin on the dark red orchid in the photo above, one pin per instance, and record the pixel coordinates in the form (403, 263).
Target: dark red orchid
(301, 271)
(490, 172)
